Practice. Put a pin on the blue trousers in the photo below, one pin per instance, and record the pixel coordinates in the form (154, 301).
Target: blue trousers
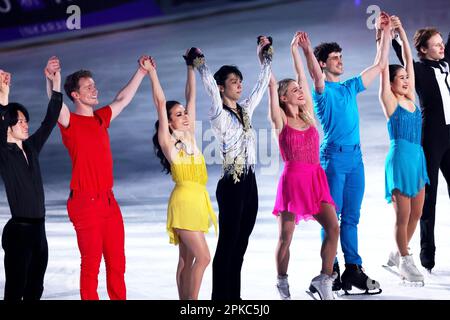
(344, 168)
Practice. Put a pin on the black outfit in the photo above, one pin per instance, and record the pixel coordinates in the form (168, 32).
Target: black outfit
(24, 239)
(435, 142)
(238, 207)
(237, 192)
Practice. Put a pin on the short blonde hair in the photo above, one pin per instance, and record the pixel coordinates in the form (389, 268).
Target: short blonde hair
(421, 38)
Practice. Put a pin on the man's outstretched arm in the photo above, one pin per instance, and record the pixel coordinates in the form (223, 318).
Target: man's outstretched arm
(313, 67)
(53, 67)
(125, 95)
(381, 59)
(54, 108)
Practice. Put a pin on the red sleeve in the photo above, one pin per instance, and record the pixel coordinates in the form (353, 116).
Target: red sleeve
(66, 133)
(104, 114)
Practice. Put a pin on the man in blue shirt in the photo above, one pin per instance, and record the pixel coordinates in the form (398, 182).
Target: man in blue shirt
(340, 153)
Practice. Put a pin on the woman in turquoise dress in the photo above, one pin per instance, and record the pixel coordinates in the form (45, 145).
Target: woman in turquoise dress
(405, 166)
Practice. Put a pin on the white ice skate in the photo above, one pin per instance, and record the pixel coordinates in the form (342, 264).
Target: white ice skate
(322, 284)
(394, 259)
(283, 287)
(409, 272)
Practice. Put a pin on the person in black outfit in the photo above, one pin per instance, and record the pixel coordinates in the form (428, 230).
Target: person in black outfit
(23, 239)
(433, 89)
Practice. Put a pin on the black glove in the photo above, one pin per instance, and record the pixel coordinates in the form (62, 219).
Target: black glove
(192, 54)
(267, 50)
(259, 39)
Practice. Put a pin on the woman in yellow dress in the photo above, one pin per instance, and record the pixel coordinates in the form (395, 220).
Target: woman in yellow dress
(189, 212)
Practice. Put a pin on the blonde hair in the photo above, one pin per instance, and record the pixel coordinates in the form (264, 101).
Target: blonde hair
(282, 90)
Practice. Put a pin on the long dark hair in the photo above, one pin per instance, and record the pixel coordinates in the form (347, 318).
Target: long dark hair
(393, 69)
(156, 146)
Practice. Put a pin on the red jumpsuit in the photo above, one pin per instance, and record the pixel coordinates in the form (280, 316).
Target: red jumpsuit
(92, 207)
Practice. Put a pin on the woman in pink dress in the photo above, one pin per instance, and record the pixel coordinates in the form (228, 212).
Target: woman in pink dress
(303, 192)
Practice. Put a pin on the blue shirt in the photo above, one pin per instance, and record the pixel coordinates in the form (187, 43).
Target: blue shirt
(337, 111)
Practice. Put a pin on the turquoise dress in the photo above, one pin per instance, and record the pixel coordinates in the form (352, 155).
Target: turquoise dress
(405, 166)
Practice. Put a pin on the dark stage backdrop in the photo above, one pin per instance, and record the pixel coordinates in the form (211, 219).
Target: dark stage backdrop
(23, 19)
(28, 21)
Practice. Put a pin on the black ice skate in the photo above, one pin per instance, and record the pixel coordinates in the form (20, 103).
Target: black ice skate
(337, 285)
(427, 259)
(354, 276)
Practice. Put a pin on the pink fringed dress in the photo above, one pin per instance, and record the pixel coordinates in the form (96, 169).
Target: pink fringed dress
(303, 185)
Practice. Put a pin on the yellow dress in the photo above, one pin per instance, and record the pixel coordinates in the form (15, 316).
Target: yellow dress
(189, 204)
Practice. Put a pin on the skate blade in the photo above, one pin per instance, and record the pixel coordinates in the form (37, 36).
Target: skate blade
(407, 283)
(391, 270)
(404, 282)
(346, 293)
(390, 264)
(282, 296)
(312, 295)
